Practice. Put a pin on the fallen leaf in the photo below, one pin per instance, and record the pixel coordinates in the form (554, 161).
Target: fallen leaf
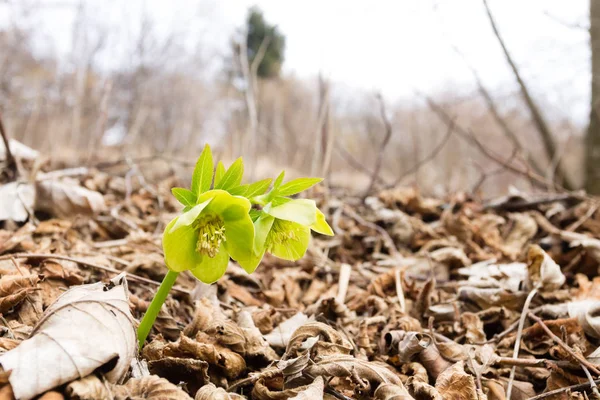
(89, 326)
(66, 198)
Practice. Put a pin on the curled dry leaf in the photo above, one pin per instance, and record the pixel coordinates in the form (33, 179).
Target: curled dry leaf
(455, 383)
(344, 366)
(89, 326)
(149, 387)
(262, 391)
(542, 270)
(14, 289)
(388, 391)
(89, 388)
(587, 313)
(281, 335)
(523, 230)
(474, 327)
(66, 198)
(330, 340)
(211, 392)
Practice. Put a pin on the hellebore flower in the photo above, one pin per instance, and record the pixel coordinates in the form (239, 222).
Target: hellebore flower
(203, 238)
(284, 230)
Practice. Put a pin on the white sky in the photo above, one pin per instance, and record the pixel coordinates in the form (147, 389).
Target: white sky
(392, 46)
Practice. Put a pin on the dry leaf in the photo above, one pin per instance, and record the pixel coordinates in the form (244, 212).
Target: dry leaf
(16, 201)
(149, 387)
(211, 392)
(89, 326)
(388, 391)
(14, 289)
(89, 388)
(542, 270)
(281, 335)
(454, 383)
(314, 391)
(66, 198)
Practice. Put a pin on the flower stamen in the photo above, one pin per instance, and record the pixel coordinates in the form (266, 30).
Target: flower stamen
(211, 233)
(281, 233)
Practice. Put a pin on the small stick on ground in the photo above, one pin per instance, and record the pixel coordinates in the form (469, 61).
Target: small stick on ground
(343, 282)
(572, 388)
(565, 346)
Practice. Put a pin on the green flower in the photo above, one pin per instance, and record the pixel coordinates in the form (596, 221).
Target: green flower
(284, 230)
(203, 238)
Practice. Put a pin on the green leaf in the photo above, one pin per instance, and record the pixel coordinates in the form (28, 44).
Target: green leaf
(220, 171)
(188, 217)
(239, 191)
(321, 226)
(254, 214)
(301, 211)
(258, 188)
(184, 196)
(211, 269)
(297, 185)
(233, 176)
(203, 172)
(279, 180)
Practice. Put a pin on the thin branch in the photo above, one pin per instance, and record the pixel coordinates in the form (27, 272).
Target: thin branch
(508, 132)
(389, 242)
(357, 165)
(382, 146)
(428, 158)
(538, 119)
(536, 179)
(572, 388)
(566, 347)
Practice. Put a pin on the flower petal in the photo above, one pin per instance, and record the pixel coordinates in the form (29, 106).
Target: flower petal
(321, 226)
(262, 227)
(224, 204)
(211, 269)
(292, 249)
(240, 238)
(188, 217)
(301, 211)
(179, 246)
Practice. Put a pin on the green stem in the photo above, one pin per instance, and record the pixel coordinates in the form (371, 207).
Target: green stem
(155, 305)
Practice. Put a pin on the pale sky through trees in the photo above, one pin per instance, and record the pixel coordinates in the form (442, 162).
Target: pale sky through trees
(390, 46)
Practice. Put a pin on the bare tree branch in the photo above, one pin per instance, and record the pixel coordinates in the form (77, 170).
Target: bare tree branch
(538, 119)
(536, 179)
(508, 132)
(426, 159)
(385, 141)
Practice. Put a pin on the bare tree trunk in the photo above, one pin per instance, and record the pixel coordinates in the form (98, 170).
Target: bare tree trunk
(592, 140)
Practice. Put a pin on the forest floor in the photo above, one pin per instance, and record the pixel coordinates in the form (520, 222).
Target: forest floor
(413, 298)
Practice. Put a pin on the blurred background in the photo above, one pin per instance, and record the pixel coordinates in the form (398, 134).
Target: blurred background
(465, 95)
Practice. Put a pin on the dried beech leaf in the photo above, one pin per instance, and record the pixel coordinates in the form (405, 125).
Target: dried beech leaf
(177, 370)
(262, 391)
(330, 340)
(16, 201)
(388, 391)
(314, 391)
(474, 327)
(587, 313)
(523, 230)
(149, 387)
(14, 289)
(66, 198)
(211, 392)
(343, 366)
(89, 388)
(59, 349)
(455, 383)
(542, 269)
(281, 335)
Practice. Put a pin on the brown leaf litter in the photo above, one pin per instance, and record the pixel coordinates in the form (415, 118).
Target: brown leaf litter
(414, 298)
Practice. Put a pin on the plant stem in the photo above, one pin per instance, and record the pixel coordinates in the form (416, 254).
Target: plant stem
(155, 305)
